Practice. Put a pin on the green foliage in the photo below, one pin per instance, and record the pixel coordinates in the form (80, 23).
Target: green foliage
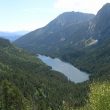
(34, 84)
(28, 84)
(100, 96)
(10, 97)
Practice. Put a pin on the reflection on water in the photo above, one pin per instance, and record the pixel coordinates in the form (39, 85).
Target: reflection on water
(67, 69)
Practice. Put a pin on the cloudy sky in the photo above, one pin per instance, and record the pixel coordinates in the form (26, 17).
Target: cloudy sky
(17, 15)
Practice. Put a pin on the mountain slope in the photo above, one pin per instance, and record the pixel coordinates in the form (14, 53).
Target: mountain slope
(31, 84)
(55, 34)
(94, 59)
(99, 26)
(69, 31)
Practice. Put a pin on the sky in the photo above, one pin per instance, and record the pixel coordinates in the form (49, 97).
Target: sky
(28, 15)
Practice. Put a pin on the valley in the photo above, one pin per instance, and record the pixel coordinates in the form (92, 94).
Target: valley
(64, 65)
(31, 83)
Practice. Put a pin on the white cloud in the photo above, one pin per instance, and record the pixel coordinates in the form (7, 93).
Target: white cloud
(89, 6)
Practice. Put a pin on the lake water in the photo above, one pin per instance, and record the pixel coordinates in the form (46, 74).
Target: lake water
(67, 69)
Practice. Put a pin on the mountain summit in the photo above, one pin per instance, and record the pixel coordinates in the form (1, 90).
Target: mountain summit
(105, 9)
(68, 18)
(99, 27)
(56, 32)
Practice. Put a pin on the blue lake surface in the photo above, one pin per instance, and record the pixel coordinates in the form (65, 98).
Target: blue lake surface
(67, 69)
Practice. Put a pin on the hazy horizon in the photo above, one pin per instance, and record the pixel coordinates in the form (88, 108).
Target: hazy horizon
(28, 15)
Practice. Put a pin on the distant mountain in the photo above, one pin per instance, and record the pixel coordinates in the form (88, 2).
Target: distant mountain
(69, 31)
(99, 27)
(12, 36)
(58, 33)
(21, 33)
(66, 19)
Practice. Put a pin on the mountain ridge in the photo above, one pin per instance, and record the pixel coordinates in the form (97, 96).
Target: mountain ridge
(49, 32)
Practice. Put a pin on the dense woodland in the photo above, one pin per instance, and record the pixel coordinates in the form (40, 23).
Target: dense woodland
(28, 84)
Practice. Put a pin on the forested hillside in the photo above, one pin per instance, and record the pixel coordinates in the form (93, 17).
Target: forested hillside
(28, 84)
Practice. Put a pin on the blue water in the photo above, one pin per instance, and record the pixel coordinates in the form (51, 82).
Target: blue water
(67, 69)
